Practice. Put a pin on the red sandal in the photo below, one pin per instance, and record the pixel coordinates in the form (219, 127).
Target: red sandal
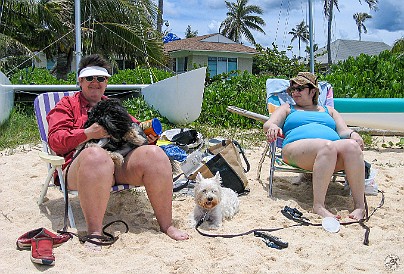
(24, 241)
(42, 250)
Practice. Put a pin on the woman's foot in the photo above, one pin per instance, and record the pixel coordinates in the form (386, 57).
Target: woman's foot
(91, 246)
(323, 212)
(357, 214)
(176, 234)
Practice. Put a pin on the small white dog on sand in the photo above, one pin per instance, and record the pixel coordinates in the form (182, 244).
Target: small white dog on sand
(213, 202)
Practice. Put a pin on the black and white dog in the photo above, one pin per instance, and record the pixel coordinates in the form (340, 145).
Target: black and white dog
(125, 135)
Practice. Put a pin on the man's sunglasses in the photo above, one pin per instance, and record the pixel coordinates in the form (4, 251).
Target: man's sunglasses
(297, 88)
(99, 78)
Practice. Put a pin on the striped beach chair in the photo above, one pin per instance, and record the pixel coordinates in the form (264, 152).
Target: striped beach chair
(43, 103)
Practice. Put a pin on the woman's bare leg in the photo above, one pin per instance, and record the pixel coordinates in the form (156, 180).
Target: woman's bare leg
(150, 166)
(323, 158)
(353, 163)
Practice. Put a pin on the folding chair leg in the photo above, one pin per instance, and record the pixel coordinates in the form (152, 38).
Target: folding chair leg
(271, 168)
(46, 185)
(69, 209)
(264, 154)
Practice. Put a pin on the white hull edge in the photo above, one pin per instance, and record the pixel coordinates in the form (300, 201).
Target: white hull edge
(178, 98)
(383, 120)
(6, 98)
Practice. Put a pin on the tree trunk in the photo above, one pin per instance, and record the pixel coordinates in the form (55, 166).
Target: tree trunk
(63, 64)
(329, 33)
(160, 16)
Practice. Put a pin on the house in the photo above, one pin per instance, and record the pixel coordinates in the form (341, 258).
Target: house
(342, 49)
(218, 53)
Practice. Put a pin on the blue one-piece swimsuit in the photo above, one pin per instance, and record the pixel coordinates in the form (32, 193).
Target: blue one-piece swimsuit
(309, 125)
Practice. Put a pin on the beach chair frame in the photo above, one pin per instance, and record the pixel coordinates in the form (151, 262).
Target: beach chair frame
(276, 96)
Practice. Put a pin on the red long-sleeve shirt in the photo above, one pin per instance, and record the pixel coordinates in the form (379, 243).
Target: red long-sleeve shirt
(66, 121)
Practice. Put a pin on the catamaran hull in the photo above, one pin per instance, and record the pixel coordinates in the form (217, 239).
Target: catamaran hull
(6, 98)
(178, 98)
(377, 113)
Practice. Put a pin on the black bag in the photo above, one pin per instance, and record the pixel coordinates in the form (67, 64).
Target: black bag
(228, 163)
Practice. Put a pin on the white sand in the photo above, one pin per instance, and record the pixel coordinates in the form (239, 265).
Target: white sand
(146, 250)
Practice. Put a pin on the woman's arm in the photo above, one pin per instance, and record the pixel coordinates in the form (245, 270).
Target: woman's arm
(273, 127)
(343, 130)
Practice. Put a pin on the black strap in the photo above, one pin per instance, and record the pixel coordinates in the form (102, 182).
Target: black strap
(234, 235)
(103, 240)
(242, 154)
(295, 215)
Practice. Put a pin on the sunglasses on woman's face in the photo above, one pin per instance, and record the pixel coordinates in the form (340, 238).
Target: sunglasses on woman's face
(99, 78)
(297, 88)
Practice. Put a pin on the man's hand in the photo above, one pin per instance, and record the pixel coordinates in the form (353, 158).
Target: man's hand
(95, 131)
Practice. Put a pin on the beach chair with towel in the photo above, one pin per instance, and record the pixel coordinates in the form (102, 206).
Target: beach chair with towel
(43, 103)
(276, 96)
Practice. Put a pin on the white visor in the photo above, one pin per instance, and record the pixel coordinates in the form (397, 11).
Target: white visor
(94, 71)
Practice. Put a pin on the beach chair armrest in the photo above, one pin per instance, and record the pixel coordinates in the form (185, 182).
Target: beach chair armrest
(51, 159)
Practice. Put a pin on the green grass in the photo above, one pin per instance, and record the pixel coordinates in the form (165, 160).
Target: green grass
(20, 128)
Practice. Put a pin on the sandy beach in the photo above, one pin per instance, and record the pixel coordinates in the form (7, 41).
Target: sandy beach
(146, 250)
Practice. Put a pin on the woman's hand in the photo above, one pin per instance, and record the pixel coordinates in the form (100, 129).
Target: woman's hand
(273, 132)
(355, 136)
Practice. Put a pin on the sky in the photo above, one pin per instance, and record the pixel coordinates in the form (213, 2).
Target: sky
(280, 16)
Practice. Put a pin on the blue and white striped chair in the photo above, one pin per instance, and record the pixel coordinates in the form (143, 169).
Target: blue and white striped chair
(43, 103)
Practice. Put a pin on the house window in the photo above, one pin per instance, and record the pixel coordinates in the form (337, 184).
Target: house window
(218, 65)
(180, 64)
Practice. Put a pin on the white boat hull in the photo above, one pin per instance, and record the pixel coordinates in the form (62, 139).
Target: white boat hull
(178, 98)
(6, 98)
(377, 113)
(386, 121)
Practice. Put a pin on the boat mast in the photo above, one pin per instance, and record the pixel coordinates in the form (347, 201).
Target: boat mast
(77, 27)
(311, 37)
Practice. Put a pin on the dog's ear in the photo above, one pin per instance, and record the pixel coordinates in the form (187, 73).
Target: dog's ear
(218, 178)
(199, 177)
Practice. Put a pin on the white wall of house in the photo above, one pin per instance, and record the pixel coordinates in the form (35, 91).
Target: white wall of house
(202, 59)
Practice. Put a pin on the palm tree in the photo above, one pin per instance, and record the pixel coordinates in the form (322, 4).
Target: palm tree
(114, 28)
(160, 16)
(189, 33)
(398, 46)
(29, 26)
(328, 12)
(240, 20)
(301, 32)
(360, 18)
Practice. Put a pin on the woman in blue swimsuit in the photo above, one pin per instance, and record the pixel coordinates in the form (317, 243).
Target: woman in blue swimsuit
(318, 139)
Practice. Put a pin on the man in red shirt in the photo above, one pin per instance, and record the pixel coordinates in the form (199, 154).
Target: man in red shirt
(92, 172)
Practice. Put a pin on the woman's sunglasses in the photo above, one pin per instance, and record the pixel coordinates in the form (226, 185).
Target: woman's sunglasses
(297, 88)
(99, 78)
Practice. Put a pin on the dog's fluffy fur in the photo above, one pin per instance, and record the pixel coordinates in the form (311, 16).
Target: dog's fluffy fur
(125, 135)
(217, 202)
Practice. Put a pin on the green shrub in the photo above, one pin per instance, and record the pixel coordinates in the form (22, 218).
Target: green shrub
(245, 91)
(367, 76)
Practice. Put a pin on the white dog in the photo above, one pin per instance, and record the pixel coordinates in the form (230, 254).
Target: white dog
(213, 202)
